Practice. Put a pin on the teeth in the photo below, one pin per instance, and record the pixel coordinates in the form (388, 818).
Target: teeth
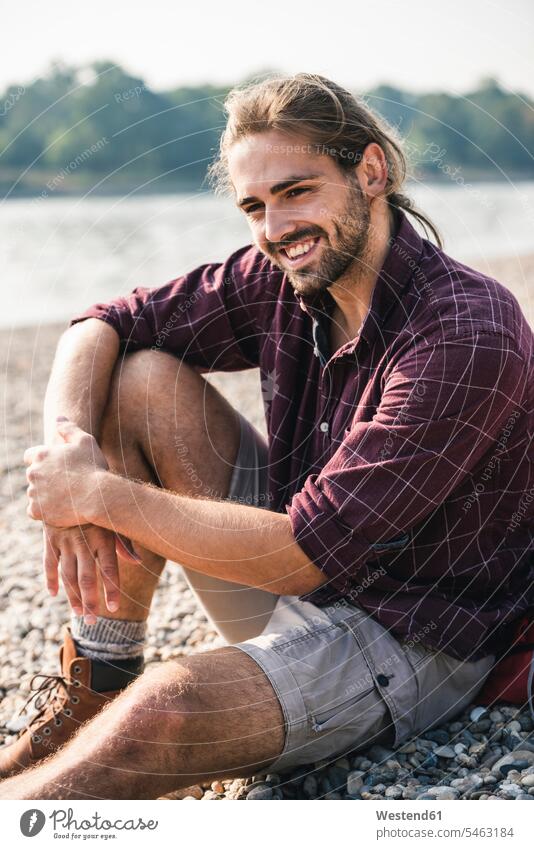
(299, 249)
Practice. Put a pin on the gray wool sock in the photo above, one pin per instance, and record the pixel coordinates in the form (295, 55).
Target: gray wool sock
(109, 640)
(115, 649)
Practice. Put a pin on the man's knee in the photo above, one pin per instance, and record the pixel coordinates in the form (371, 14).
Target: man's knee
(213, 713)
(201, 689)
(165, 424)
(139, 384)
(156, 705)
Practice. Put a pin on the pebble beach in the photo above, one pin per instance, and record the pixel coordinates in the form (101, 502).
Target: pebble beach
(484, 753)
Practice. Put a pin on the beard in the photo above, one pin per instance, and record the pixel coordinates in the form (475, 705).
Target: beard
(346, 245)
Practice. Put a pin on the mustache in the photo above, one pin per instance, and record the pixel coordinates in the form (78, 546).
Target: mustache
(300, 236)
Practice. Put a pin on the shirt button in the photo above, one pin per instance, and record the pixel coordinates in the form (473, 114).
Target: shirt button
(382, 680)
(324, 427)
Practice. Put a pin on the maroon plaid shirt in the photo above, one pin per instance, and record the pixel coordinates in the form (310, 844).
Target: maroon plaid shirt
(404, 459)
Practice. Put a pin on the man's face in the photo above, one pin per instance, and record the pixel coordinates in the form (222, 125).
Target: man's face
(307, 215)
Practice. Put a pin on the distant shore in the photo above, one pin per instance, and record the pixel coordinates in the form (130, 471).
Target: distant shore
(99, 185)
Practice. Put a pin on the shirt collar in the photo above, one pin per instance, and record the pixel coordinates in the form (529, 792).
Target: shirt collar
(400, 264)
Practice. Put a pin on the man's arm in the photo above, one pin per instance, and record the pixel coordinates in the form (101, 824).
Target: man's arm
(78, 389)
(79, 381)
(443, 407)
(236, 542)
(213, 318)
(70, 484)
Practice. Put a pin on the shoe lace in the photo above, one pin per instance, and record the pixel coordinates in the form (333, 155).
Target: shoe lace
(47, 692)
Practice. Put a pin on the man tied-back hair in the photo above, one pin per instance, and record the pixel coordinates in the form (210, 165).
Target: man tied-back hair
(366, 563)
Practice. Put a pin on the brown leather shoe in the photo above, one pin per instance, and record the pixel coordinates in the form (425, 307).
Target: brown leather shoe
(63, 703)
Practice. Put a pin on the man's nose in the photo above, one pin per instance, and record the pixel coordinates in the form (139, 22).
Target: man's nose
(279, 224)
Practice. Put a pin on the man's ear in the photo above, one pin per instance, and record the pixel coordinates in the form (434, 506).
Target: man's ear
(373, 170)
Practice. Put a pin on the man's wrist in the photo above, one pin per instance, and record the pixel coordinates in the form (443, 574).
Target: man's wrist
(94, 510)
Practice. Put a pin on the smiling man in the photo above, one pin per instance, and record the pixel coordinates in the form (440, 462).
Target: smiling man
(363, 565)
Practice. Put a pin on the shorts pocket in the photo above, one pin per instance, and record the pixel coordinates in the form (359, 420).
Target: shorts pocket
(337, 715)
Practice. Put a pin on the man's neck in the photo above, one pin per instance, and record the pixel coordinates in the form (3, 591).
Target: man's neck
(353, 292)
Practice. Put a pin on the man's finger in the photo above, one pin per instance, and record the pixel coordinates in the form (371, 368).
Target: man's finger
(88, 585)
(31, 453)
(124, 548)
(50, 564)
(109, 570)
(69, 576)
(69, 431)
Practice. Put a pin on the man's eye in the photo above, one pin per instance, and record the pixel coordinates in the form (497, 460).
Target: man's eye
(298, 191)
(251, 209)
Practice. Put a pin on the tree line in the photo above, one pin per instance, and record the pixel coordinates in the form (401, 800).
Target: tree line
(99, 128)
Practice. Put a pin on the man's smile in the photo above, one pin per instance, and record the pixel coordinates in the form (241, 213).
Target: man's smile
(299, 253)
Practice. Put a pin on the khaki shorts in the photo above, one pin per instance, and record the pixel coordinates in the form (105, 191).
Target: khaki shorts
(343, 681)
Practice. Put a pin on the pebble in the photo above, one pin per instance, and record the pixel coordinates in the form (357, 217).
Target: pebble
(516, 758)
(310, 787)
(465, 785)
(511, 789)
(439, 793)
(263, 792)
(17, 723)
(394, 792)
(445, 752)
(337, 777)
(217, 787)
(438, 736)
(512, 770)
(379, 754)
(382, 776)
(355, 782)
(467, 760)
(409, 793)
(477, 713)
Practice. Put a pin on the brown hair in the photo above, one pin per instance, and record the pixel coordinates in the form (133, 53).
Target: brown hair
(313, 107)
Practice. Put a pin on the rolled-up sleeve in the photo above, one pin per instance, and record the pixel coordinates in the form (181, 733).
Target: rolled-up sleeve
(442, 409)
(210, 317)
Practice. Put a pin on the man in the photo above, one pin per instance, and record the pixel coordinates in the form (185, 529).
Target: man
(363, 566)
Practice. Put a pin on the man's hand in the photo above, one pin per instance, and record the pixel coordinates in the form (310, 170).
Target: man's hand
(62, 479)
(80, 551)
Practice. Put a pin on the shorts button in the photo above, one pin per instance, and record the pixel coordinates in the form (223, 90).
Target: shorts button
(382, 680)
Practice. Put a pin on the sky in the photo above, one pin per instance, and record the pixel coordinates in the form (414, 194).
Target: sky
(420, 45)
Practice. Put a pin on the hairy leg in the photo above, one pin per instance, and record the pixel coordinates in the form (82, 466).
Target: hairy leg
(164, 424)
(210, 715)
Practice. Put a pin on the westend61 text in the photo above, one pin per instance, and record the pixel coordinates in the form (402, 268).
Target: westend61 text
(408, 815)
